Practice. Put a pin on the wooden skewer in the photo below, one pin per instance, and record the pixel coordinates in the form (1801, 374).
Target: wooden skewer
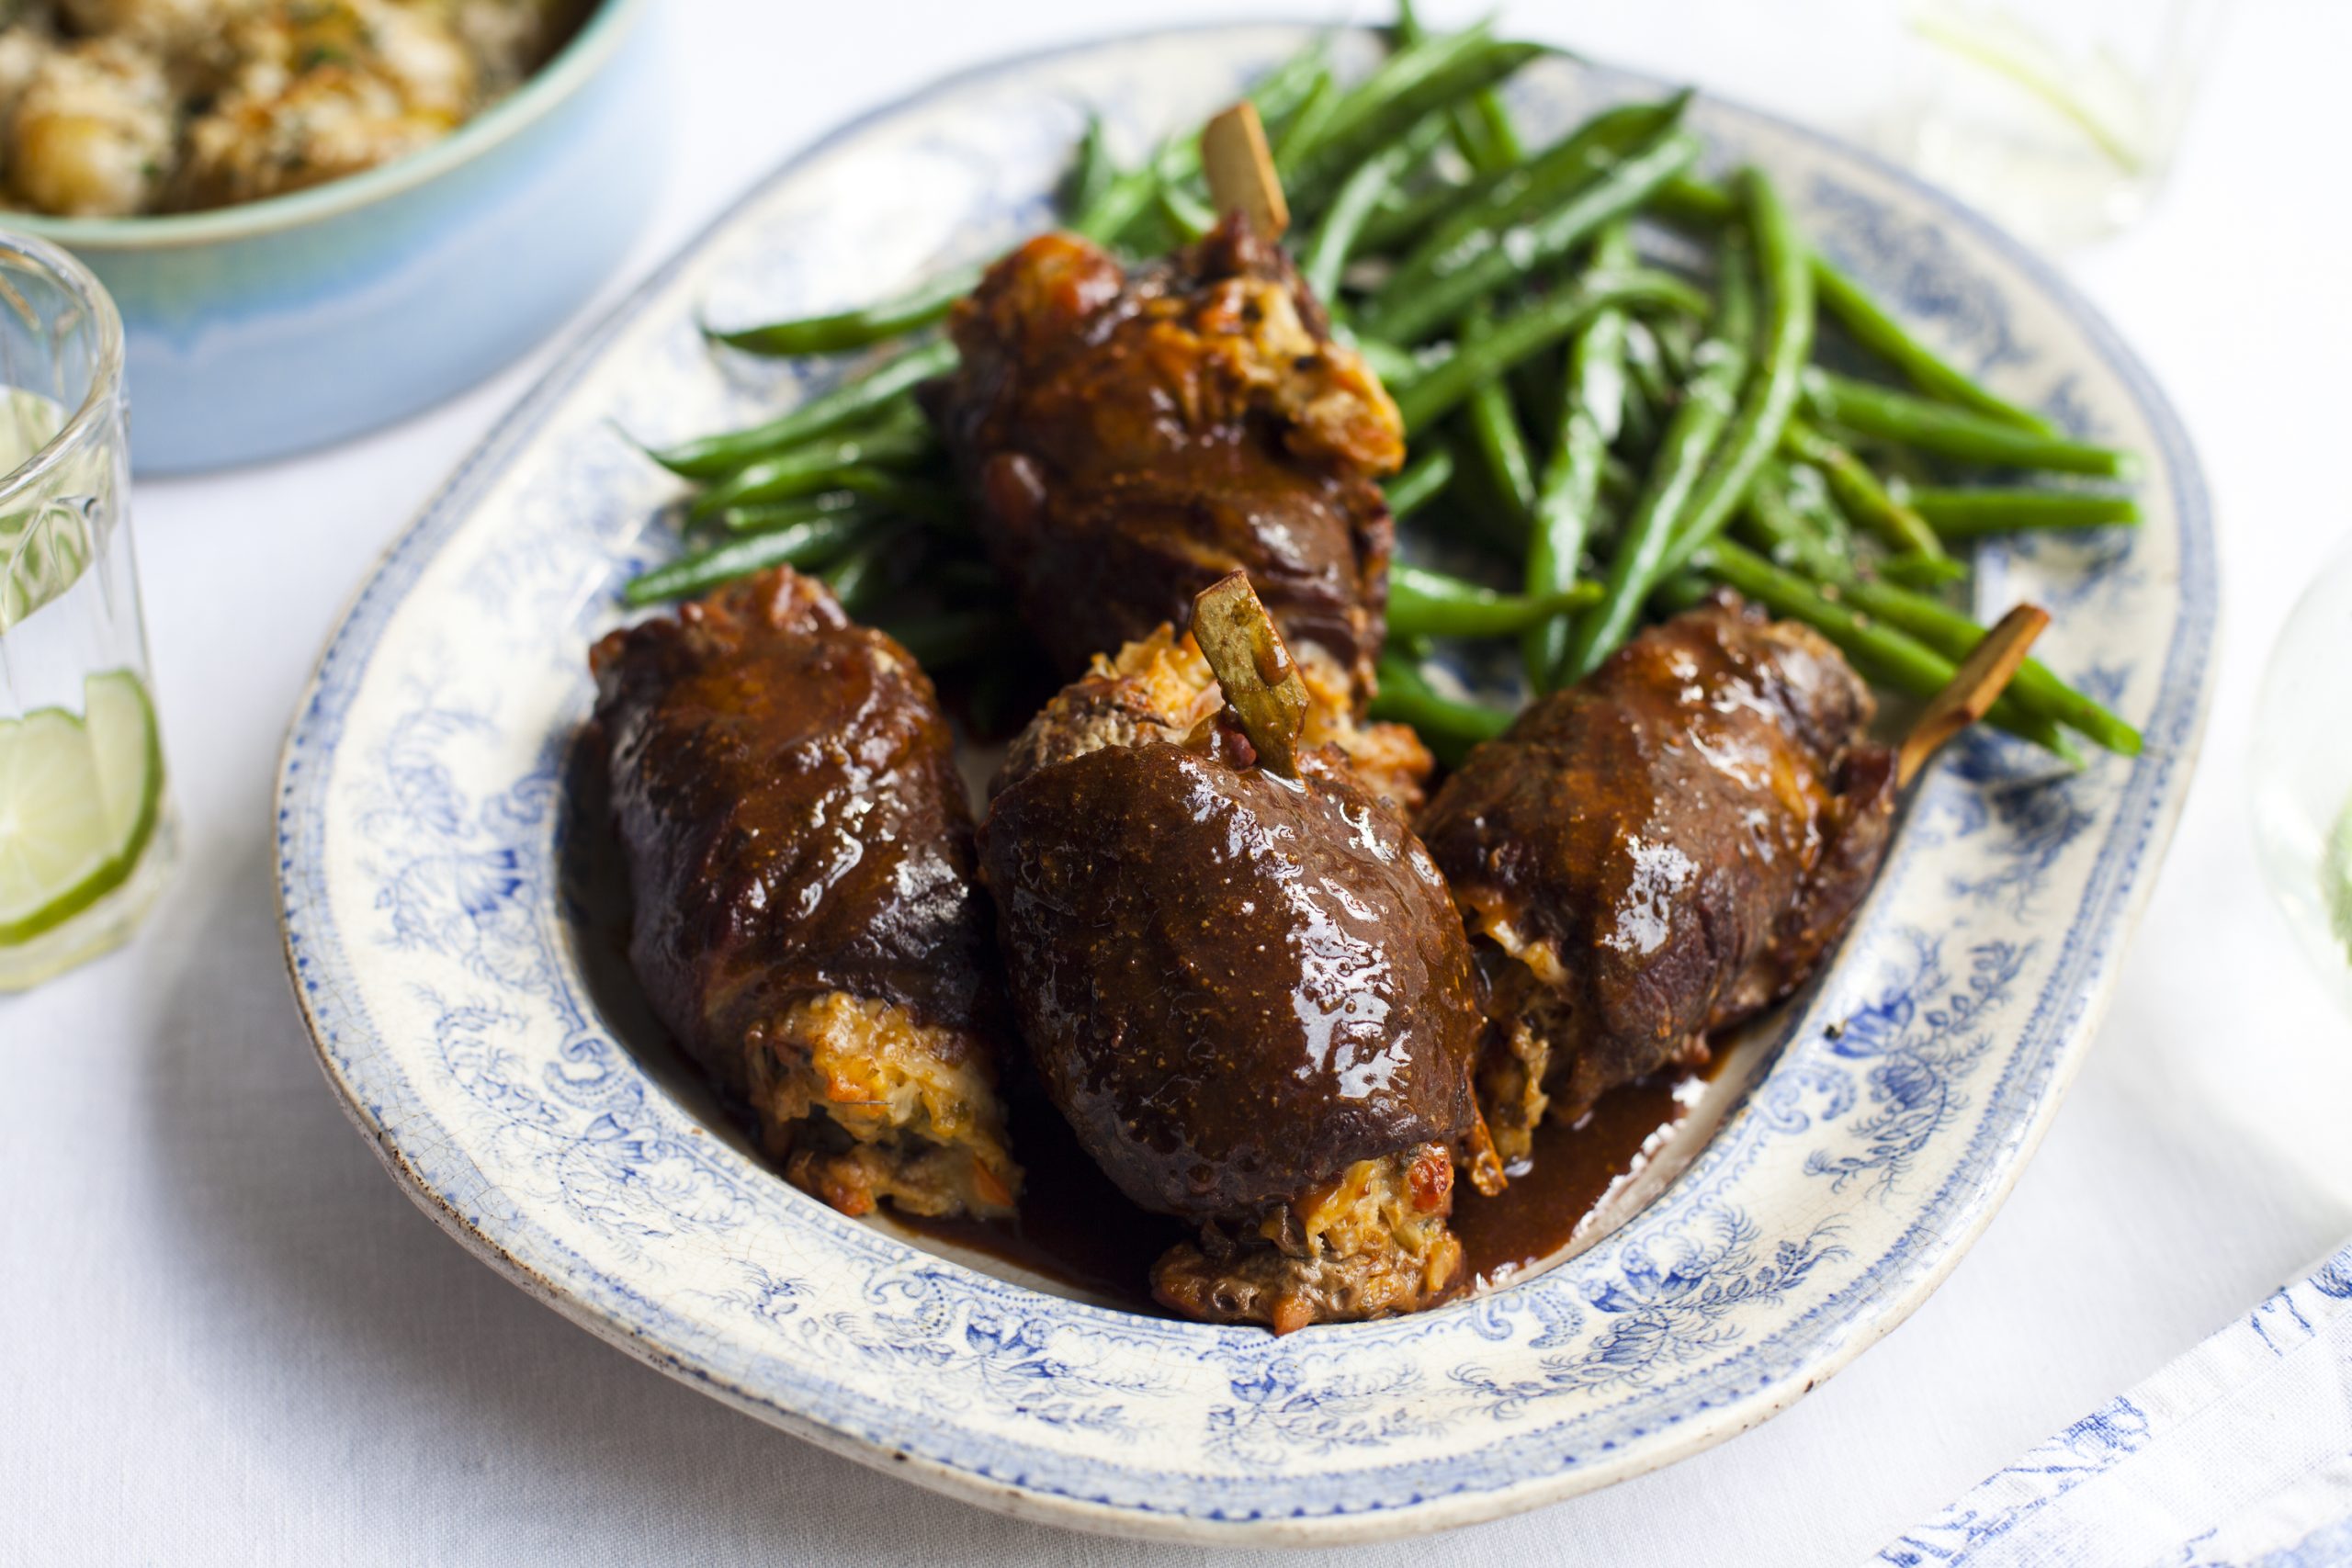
(1261, 680)
(1974, 688)
(1240, 168)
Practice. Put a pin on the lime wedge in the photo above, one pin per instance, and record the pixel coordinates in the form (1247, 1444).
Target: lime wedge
(130, 755)
(78, 802)
(2335, 879)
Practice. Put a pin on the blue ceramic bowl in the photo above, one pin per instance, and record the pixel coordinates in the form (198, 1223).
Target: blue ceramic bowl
(260, 330)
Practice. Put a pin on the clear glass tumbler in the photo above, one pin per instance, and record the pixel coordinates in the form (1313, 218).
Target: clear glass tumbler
(2058, 117)
(2302, 773)
(86, 829)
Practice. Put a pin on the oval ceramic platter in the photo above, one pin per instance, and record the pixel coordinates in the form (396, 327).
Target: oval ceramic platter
(477, 1022)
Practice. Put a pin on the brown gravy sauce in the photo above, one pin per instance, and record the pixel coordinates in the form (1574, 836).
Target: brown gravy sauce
(1078, 1230)
(1074, 1227)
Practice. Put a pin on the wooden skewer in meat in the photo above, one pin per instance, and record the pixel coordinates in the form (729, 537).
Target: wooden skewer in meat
(808, 922)
(1657, 852)
(1245, 990)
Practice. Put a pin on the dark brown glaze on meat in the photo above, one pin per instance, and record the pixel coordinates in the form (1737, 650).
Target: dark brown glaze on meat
(1235, 984)
(1660, 851)
(802, 868)
(1129, 440)
(1252, 1000)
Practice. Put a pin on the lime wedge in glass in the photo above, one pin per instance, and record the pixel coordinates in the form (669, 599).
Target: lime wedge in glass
(78, 802)
(2335, 879)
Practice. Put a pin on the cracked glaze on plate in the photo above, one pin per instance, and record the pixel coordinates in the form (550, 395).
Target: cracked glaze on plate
(437, 953)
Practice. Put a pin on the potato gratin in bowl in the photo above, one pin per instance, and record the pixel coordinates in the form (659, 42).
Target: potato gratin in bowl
(318, 216)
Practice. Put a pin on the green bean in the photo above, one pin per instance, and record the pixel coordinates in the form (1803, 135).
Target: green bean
(1278, 95)
(1474, 133)
(1495, 436)
(1126, 198)
(1592, 414)
(1092, 178)
(714, 457)
(1503, 145)
(1772, 388)
(1336, 234)
(1539, 390)
(1410, 83)
(811, 543)
(861, 328)
(1281, 93)
(1955, 635)
(1523, 195)
(769, 516)
(866, 571)
(1693, 200)
(1893, 657)
(1176, 166)
(955, 636)
(1435, 389)
(1882, 335)
(1091, 171)
(1948, 432)
(807, 470)
(1409, 317)
(923, 500)
(1394, 366)
(1620, 485)
(1482, 128)
(1187, 214)
(1423, 603)
(1447, 726)
(1307, 125)
(1090, 181)
(1692, 438)
(1422, 479)
(1649, 390)
(1677, 340)
(1684, 590)
(1809, 497)
(1413, 215)
(1689, 199)
(1865, 499)
(1916, 571)
(1785, 533)
(1971, 514)
(1646, 364)
(1476, 510)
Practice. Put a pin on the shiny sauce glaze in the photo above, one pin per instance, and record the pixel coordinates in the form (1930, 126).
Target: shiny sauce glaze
(1078, 1230)
(1075, 1228)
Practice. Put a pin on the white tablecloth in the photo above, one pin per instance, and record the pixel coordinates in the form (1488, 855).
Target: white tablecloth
(225, 1336)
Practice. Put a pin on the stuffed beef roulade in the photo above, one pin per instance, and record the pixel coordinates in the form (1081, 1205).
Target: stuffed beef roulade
(806, 921)
(1243, 982)
(1660, 851)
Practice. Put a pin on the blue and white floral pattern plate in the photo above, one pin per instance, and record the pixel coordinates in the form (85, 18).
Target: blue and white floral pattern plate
(1859, 1143)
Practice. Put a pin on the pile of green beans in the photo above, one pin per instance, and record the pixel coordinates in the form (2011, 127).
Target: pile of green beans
(1596, 438)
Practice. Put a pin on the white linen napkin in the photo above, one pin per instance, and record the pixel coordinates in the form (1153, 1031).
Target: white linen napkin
(2238, 1452)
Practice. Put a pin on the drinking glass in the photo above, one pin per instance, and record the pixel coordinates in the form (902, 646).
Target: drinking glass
(2058, 117)
(87, 829)
(2302, 773)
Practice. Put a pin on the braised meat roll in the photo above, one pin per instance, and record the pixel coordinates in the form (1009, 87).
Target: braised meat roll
(1660, 851)
(1129, 440)
(1249, 994)
(808, 922)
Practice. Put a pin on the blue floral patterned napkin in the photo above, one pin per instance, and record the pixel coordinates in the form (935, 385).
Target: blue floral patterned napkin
(2240, 1452)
